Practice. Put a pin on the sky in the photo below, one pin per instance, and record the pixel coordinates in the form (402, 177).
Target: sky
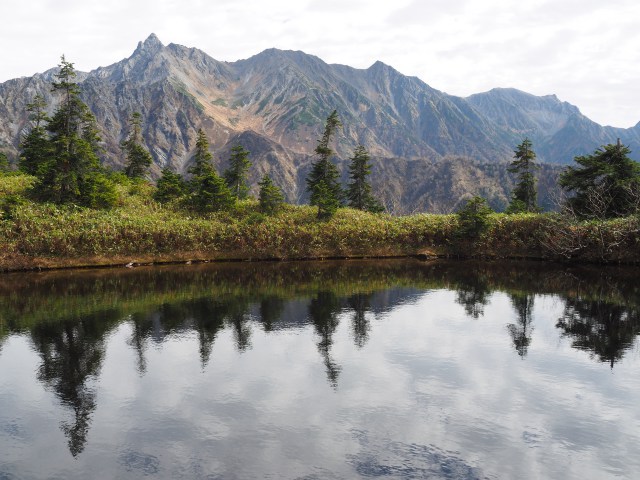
(587, 52)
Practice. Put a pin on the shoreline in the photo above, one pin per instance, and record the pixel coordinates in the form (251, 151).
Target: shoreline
(35, 264)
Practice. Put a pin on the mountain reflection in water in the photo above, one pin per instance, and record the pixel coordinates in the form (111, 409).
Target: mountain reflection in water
(70, 318)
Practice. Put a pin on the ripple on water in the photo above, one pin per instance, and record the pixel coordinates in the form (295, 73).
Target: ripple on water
(139, 461)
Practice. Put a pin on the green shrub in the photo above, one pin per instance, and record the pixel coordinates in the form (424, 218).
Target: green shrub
(170, 186)
(473, 218)
(9, 205)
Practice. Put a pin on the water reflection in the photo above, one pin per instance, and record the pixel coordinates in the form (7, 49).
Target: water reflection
(472, 292)
(605, 329)
(360, 303)
(68, 317)
(271, 308)
(601, 306)
(205, 316)
(402, 460)
(72, 351)
(521, 331)
(323, 311)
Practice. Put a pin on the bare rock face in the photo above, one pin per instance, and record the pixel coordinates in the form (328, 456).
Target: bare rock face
(275, 105)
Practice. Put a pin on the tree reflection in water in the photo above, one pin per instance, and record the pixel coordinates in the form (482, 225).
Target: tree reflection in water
(360, 326)
(205, 316)
(473, 292)
(239, 319)
(604, 329)
(521, 332)
(72, 352)
(159, 303)
(323, 311)
(271, 308)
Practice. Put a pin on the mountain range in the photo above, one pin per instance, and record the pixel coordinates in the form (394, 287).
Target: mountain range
(429, 149)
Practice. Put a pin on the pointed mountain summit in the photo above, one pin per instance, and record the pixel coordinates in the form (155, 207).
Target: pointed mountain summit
(143, 66)
(150, 46)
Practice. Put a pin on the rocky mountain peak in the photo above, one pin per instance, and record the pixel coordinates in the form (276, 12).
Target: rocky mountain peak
(147, 64)
(378, 65)
(150, 46)
(381, 68)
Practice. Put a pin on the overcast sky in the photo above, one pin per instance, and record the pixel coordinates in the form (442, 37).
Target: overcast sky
(585, 51)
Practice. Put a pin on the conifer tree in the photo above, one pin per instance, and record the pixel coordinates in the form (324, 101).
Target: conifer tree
(524, 197)
(170, 186)
(202, 156)
(326, 200)
(606, 184)
(270, 197)
(138, 158)
(473, 218)
(323, 179)
(72, 173)
(209, 192)
(359, 189)
(236, 174)
(35, 149)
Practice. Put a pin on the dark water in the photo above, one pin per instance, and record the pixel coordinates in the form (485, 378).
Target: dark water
(394, 369)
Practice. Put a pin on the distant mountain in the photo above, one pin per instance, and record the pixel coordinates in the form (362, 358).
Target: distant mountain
(430, 149)
(557, 129)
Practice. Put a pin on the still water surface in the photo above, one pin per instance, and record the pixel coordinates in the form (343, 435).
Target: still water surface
(368, 369)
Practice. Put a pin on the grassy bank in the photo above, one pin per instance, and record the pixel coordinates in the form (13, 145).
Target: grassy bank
(140, 230)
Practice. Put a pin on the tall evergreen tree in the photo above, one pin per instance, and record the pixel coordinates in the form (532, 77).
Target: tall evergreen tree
(202, 156)
(270, 197)
(73, 174)
(138, 158)
(35, 149)
(236, 174)
(525, 196)
(359, 189)
(209, 192)
(606, 184)
(323, 179)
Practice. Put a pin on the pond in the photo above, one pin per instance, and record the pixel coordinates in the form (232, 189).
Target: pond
(321, 370)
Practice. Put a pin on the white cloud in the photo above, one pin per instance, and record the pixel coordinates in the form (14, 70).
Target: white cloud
(585, 51)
